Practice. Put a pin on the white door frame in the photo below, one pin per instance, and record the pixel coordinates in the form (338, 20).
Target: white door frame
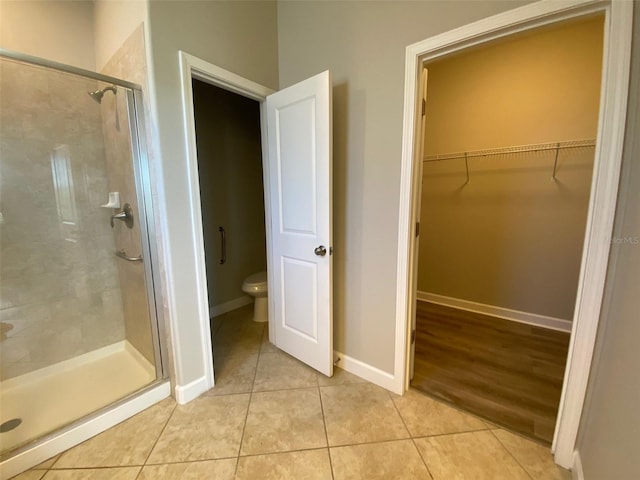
(604, 188)
(193, 67)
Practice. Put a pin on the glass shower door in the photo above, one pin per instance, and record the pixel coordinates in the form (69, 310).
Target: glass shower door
(77, 311)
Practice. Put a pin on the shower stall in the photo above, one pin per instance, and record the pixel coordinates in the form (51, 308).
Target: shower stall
(80, 333)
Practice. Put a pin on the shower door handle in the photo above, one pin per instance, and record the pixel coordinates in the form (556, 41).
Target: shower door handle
(223, 246)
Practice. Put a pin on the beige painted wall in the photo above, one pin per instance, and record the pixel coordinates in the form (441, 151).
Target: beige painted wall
(610, 427)
(511, 238)
(231, 189)
(114, 22)
(237, 36)
(543, 86)
(363, 44)
(55, 30)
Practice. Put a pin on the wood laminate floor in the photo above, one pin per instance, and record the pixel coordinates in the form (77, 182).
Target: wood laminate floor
(507, 372)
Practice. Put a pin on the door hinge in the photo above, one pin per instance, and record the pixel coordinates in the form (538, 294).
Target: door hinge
(424, 107)
(413, 336)
(417, 229)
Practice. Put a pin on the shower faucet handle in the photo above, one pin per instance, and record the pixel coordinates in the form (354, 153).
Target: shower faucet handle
(119, 216)
(126, 215)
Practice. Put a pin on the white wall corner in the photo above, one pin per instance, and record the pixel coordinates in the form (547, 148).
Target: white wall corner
(368, 372)
(192, 390)
(576, 470)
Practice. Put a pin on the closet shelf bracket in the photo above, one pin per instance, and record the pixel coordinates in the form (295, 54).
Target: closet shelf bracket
(555, 163)
(466, 164)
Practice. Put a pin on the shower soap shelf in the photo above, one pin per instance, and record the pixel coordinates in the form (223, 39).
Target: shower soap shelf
(114, 200)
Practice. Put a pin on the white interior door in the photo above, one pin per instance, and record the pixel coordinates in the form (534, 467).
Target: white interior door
(416, 208)
(299, 157)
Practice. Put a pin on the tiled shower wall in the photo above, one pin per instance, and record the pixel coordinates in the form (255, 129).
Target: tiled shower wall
(127, 63)
(59, 287)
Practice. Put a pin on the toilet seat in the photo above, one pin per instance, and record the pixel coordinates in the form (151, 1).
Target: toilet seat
(255, 283)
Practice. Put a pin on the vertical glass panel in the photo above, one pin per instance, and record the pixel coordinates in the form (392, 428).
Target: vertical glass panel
(76, 332)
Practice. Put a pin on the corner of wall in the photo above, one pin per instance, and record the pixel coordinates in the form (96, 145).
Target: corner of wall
(576, 469)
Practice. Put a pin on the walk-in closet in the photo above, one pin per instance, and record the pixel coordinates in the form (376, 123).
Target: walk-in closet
(509, 148)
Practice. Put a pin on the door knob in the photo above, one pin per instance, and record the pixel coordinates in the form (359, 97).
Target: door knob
(321, 251)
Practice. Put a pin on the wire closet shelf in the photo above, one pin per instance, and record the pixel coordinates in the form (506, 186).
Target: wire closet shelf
(539, 147)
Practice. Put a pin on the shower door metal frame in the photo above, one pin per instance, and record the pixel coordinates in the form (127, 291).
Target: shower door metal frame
(43, 62)
(142, 175)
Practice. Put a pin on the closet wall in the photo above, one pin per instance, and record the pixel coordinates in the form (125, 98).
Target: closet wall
(511, 237)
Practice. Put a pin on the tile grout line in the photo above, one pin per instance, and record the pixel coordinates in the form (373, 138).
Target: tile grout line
(56, 460)
(52, 467)
(435, 435)
(413, 441)
(286, 389)
(246, 417)
(103, 467)
(164, 427)
(373, 442)
(179, 462)
(326, 434)
(281, 452)
(511, 454)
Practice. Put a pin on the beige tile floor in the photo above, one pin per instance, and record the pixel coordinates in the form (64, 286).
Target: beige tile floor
(271, 417)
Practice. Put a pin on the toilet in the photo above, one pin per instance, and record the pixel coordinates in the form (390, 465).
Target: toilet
(256, 286)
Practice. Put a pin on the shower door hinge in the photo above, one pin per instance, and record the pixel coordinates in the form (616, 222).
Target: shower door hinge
(417, 229)
(413, 336)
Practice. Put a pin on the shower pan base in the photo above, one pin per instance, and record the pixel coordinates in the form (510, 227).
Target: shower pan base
(58, 395)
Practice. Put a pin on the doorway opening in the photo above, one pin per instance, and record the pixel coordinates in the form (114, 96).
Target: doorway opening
(228, 140)
(295, 128)
(509, 147)
(601, 211)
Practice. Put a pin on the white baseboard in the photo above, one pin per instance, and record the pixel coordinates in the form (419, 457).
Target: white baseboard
(230, 305)
(191, 391)
(77, 434)
(366, 371)
(577, 473)
(551, 323)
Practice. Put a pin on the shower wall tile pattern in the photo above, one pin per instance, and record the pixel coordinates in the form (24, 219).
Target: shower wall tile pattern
(127, 63)
(59, 286)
